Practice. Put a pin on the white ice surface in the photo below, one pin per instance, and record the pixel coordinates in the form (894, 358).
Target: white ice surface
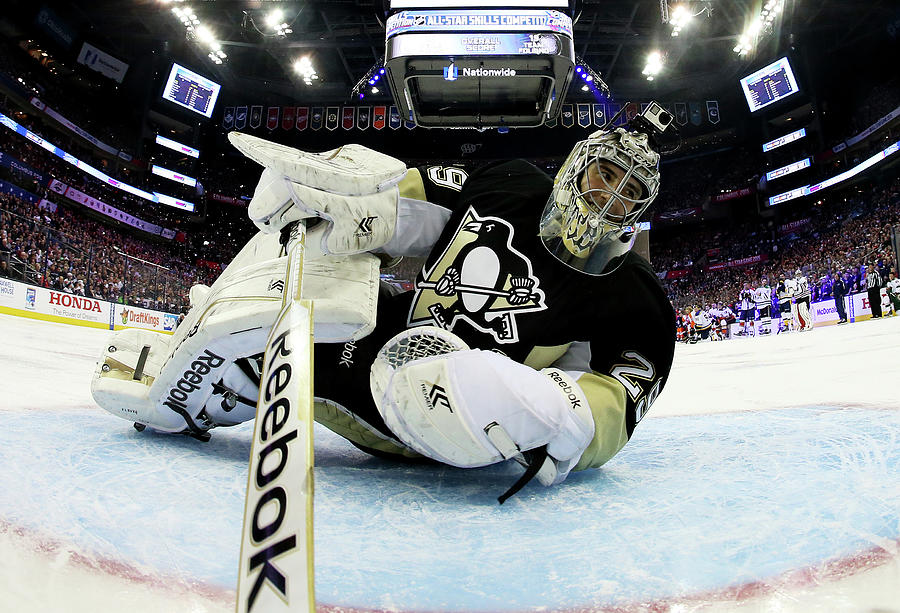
(765, 478)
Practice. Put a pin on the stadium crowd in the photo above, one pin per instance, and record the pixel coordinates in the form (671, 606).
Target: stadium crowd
(64, 246)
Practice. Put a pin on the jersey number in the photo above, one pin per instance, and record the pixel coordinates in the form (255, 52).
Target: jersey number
(629, 374)
(448, 176)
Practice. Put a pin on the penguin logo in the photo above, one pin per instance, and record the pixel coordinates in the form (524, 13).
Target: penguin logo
(479, 279)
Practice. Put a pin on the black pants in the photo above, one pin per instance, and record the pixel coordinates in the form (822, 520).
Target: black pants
(875, 300)
(839, 306)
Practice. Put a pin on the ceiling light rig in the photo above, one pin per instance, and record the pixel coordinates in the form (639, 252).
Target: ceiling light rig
(303, 67)
(370, 82)
(200, 33)
(761, 25)
(274, 23)
(653, 66)
(591, 81)
(682, 14)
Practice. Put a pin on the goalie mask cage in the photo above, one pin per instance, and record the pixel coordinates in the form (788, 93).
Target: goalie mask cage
(462, 64)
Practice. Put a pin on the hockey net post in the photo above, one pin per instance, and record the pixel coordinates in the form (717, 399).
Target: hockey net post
(276, 559)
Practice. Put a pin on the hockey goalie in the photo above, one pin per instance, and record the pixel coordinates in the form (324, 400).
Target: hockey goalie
(534, 331)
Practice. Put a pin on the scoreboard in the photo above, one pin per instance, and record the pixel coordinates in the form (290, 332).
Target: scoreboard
(769, 84)
(465, 67)
(190, 90)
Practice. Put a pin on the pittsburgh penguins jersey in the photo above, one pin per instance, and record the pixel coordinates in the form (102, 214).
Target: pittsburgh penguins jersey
(490, 280)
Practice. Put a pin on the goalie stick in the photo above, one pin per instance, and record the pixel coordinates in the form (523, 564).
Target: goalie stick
(276, 560)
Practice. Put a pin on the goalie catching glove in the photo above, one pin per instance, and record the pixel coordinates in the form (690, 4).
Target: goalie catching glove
(469, 408)
(353, 188)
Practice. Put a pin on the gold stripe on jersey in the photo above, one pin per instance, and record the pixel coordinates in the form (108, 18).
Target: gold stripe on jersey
(412, 185)
(608, 402)
(543, 357)
(341, 422)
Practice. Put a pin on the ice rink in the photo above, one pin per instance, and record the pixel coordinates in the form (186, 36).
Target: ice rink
(765, 478)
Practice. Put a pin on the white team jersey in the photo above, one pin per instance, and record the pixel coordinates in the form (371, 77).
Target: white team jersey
(746, 299)
(762, 296)
(801, 289)
(893, 286)
(701, 319)
(790, 287)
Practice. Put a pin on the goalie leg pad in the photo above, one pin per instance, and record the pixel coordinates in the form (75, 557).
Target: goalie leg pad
(446, 407)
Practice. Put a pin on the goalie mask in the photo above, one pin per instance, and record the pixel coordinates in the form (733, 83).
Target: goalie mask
(603, 188)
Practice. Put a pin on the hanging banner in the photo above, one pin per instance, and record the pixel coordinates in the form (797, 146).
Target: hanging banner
(288, 115)
(348, 117)
(228, 118)
(568, 116)
(363, 115)
(302, 118)
(240, 118)
(696, 113)
(599, 115)
(631, 111)
(584, 115)
(272, 118)
(614, 109)
(712, 109)
(255, 116)
(681, 116)
(318, 118)
(331, 117)
(409, 124)
(551, 123)
(394, 120)
(378, 119)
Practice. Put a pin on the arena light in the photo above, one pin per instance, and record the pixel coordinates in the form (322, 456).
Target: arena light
(273, 18)
(653, 66)
(200, 33)
(680, 17)
(303, 67)
(762, 24)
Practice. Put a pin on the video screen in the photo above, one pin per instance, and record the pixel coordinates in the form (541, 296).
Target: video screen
(192, 91)
(769, 85)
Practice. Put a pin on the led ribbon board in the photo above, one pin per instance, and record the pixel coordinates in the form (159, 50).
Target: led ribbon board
(784, 140)
(811, 189)
(173, 176)
(174, 145)
(88, 169)
(786, 170)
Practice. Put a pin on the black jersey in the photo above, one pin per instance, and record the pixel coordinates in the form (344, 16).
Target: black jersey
(508, 294)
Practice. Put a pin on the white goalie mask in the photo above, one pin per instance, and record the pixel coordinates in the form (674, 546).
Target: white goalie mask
(602, 189)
